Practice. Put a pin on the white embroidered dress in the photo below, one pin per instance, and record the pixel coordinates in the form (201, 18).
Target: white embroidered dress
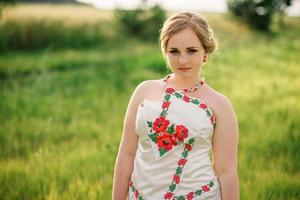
(173, 156)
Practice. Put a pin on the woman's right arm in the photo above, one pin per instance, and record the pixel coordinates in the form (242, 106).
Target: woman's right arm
(128, 146)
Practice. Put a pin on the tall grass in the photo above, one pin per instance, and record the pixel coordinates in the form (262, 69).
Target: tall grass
(61, 112)
(31, 27)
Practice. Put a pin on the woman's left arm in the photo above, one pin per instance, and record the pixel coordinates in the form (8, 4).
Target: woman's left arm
(225, 149)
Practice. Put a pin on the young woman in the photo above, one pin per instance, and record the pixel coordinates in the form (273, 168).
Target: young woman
(173, 125)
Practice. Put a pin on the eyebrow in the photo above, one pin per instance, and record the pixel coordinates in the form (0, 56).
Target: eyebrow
(187, 48)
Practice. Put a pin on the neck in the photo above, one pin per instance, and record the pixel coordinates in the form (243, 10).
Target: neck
(181, 82)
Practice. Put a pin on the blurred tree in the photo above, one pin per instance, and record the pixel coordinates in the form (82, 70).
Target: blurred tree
(258, 13)
(4, 3)
(49, 1)
(7, 1)
(142, 22)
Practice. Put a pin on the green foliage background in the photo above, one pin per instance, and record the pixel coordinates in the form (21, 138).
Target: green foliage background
(258, 13)
(62, 109)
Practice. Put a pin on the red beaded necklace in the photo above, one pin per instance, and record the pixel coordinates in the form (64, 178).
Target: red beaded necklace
(191, 89)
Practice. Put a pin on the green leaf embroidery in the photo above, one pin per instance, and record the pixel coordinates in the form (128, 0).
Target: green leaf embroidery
(141, 198)
(178, 170)
(211, 183)
(162, 151)
(198, 192)
(185, 154)
(178, 95)
(195, 101)
(153, 137)
(208, 113)
(172, 187)
(181, 198)
(171, 129)
(191, 141)
(163, 113)
(167, 97)
(149, 124)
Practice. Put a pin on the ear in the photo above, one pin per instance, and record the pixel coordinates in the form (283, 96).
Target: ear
(205, 57)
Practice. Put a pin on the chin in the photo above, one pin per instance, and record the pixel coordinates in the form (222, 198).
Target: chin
(187, 74)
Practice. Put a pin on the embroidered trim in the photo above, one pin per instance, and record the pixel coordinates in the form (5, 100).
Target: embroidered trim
(189, 196)
(181, 163)
(195, 101)
(166, 135)
(191, 89)
(136, 193)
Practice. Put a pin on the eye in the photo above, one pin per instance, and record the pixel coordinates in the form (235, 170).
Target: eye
(173, 52)
(192, 51)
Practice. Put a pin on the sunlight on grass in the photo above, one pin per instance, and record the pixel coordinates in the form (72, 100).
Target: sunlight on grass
(62, 110)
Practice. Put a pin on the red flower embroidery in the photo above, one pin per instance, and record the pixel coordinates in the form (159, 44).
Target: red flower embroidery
(190, 196)
(205, 188)
(176, 179)
(130, 183)
(182, 162)
(186, 98)
(160, 124)
(170, 90)
(136, 194)
(181, 132)
(203, 106)
(212, 119)
(188, 147)
(165, 141)
(169, 195)
(166, 104)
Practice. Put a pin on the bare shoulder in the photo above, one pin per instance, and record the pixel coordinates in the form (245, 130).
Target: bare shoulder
(149, 89)
(149, 84)
(219, 102)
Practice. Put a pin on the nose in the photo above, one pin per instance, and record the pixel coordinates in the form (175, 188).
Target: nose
(182, 59)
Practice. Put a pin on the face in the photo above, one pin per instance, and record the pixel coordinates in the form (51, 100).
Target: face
(185, 53)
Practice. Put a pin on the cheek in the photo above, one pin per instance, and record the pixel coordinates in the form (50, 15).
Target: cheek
(171, 60)
(197, 59)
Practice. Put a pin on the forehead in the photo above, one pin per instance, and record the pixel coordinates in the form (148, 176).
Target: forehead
(184, 38)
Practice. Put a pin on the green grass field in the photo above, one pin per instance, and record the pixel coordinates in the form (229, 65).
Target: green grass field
(61, 111)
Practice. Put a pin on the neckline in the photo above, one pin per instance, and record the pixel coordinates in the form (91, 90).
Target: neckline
(191, 89)
(158, 102)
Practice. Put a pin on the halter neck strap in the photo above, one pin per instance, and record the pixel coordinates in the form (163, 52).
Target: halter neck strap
(191, 89)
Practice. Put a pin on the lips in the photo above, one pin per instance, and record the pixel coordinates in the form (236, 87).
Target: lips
(184, 68)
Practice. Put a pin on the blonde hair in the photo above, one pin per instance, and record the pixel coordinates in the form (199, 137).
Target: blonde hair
(183, 20)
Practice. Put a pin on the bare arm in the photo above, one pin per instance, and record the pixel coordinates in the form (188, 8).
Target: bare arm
(225, 149)
(127, 148)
